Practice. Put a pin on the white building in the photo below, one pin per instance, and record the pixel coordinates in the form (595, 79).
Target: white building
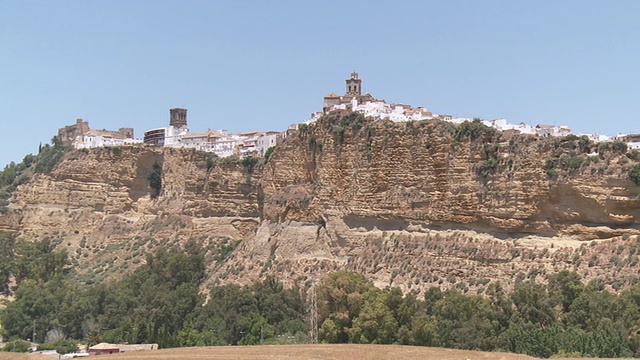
(165, 136)
(97, 138)
(552, 130)
(267, 140)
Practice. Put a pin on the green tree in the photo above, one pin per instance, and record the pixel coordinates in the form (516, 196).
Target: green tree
(340, 299)
(19, 346)
(619, 146)
(375, 323)
(230, 304)
(403, 307)
(464, 322)
(280, 307)
(531, 339)
(474, 130)
(424, 330)
(50, 155)
(565, 286)
(533, 304)
(7, 244)
(589, 308)
(267, 154)
(329, 331)
(634, 174)
(189, 336)
(249, 163)
(431, 296)
(256, 329)
(62, 347)
(155, 179)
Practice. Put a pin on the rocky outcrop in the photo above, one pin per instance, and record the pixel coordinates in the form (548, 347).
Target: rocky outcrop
(100, 204)
(377, 171)
(412, 204)
(419, 204)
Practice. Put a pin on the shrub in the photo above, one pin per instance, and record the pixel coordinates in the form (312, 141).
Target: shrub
(570, 137)
(634, 174)
(249, 163)
(229, 160)
(13, 176)
(551, 168)
(619, 147)
(473, 130)
(634, 155)
(155, 179)
(49, 156)
(61, 347)
(17, 346)
(571, 163)
(603, 148)
(210, 161)
(267, 154)
(487, 167)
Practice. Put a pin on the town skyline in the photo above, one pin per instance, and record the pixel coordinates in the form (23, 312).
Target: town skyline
(257, 142)
(262, 66)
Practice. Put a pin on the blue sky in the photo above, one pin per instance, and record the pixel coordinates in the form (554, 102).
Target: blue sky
(245, 65)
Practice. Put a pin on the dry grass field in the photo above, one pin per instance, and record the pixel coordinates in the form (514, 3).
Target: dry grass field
(299, 352)
(16, 356)
(316, 352)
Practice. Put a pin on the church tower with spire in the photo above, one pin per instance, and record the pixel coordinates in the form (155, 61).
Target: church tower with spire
(354, 85)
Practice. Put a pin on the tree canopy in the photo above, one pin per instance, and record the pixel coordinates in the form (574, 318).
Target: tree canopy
(162, 302)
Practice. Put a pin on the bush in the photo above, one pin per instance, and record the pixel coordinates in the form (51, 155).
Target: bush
(634, 174)
(551, 168)
(473, 130)
(61, 347)
(634, 155)
(49, 156)
(267, 154)
(249, 163)
(229, 160)
(155, 179)
(12, 176)
(570, 137)
(487, 167)
(19, 346)
(603, 148)
(571, 163)
(619, 147)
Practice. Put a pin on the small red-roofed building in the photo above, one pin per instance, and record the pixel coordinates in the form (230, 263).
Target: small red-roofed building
(104, 349)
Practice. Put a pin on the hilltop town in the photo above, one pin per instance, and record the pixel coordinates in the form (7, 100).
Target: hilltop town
(410, 208)
(256, 143)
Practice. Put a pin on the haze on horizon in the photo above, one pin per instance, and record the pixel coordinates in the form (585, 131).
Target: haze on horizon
(244, 65)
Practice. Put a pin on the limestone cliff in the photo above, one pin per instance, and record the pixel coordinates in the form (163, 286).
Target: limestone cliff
(411, 204)
(425, 203)
(100, 204)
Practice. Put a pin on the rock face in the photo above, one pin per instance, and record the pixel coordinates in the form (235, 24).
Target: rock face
(390, 175)
(411, 204)
(99, 204)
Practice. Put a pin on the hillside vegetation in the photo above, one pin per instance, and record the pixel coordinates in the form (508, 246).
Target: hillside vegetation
(160, 303)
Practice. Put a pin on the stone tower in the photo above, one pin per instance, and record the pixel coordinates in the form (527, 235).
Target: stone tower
(178, 117)
(354, 85)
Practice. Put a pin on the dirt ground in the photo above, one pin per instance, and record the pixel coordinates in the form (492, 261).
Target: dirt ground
(316, 352)
(299, 352)
(16, 356)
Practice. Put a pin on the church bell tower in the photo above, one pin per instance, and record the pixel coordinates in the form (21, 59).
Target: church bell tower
(178, 117)
(354, 85)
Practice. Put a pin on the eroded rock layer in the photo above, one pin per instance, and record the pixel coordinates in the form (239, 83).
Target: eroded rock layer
(412, 204)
